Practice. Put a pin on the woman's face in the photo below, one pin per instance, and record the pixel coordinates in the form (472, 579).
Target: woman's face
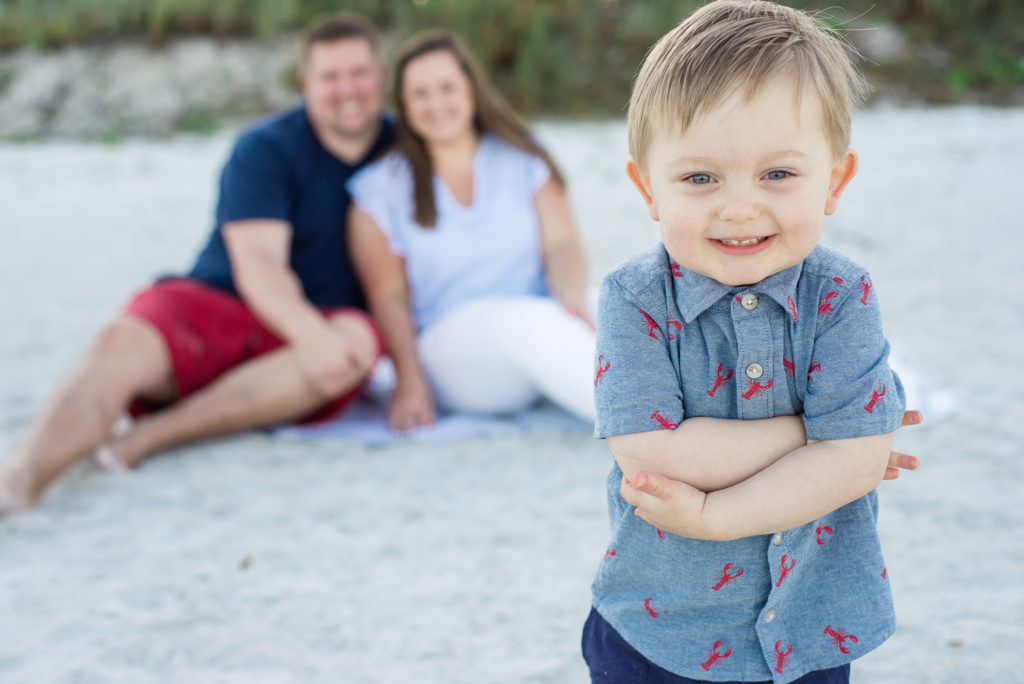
(438, 98)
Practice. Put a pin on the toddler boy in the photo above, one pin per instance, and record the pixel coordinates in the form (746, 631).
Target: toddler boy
(742, 377)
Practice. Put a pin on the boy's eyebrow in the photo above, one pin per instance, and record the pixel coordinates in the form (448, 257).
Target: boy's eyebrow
(704, 160)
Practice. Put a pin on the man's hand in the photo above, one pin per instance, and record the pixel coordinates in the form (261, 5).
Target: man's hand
(332, 361)
(670, 505)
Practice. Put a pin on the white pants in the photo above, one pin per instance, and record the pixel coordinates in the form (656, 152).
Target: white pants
(500, 355)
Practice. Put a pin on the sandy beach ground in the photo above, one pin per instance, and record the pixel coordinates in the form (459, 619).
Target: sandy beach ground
(255, 559)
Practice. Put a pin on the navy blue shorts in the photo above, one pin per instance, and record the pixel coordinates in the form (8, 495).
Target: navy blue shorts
(613, 661)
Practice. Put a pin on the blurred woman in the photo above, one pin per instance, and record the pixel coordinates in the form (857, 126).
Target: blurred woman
(467, 249)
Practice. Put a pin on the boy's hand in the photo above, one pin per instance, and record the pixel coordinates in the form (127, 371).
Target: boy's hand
(899, 460)
(670, 505)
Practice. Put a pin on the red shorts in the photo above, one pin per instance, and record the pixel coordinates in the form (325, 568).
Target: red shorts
(209, 332)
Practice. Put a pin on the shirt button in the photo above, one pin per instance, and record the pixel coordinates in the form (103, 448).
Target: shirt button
(749, 301)
(754, 371)
(777, 539)
(770, 615)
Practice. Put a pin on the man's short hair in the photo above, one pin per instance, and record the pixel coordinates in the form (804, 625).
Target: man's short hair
(340, 26)
(730, 45)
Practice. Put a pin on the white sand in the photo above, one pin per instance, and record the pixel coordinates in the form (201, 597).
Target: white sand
(260, 560)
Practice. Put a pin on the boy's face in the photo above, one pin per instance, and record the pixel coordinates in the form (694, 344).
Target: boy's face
(742, 193)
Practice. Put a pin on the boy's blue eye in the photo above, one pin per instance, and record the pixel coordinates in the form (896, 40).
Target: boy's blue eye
(777, 175)
(699, 179)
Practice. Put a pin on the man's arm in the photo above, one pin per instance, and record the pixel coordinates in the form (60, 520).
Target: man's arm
(259, 250)
(798, 488)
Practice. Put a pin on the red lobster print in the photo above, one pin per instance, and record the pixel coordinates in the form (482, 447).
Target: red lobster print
(714, 657)
(756, 389)
(609, 554)
(791, 306)
(651, 610)
(601, 370)
(784, 569)
(815, 366)
(817, 534)
(781, 656)
(726, 576)
(838, 280)
(885, 572)
(839, 636)
(661, 535)
(719, 380)
(672, 323)
(652, 326)
(876, 397)
(675, 270)
(663, 421)
(865, 288)
(825, 305)
(790, 368)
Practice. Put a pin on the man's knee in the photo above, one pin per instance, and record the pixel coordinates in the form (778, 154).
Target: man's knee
(126, 337)
(134, 349)
(360, 330)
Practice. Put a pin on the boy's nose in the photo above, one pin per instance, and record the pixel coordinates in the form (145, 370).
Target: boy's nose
(739, 207)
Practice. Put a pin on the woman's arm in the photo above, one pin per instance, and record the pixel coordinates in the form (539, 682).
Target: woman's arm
(382, 275)
(565, 261)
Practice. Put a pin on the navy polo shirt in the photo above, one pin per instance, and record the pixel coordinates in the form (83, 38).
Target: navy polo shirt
(673, 344)
(280, 170)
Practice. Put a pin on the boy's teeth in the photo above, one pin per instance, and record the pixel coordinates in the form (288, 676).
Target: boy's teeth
(741, 243)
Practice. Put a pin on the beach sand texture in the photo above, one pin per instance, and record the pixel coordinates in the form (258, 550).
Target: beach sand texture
(254, 559)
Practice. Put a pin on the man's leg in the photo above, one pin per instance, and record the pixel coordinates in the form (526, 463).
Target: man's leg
(128, 359)
(263, 391)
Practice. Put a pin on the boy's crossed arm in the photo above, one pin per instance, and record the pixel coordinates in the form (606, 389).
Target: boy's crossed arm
(764, 476)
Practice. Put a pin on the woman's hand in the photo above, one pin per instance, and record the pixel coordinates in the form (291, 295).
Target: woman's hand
(412, 405)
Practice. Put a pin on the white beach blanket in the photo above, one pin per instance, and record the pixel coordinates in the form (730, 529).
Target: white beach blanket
(366, 421)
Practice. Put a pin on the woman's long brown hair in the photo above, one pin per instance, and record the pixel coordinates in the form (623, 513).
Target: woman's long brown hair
(492, 115)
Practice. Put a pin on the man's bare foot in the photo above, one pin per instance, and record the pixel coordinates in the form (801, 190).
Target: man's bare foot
(10, 502)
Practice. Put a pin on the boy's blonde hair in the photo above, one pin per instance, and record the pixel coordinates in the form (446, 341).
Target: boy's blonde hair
(740, 44)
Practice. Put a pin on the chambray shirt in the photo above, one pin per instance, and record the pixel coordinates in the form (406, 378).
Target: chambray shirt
(673, 344)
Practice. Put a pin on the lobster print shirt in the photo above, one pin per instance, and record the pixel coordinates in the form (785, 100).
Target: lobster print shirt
(673, 344)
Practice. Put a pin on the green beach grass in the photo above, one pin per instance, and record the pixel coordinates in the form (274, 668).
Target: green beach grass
(562, 57)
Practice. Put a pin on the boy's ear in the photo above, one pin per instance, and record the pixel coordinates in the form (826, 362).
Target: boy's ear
(842, 174)
(643, 185)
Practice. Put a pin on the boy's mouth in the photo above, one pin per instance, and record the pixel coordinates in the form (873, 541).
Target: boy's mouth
(745, 242)
(743, 246)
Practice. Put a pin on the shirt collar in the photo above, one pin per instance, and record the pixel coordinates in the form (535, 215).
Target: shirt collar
(698, 292)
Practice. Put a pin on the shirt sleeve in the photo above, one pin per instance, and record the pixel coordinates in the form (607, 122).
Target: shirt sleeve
(851, 391)
(636, 385)
(372, 192)
(256, 182)
(538, 173)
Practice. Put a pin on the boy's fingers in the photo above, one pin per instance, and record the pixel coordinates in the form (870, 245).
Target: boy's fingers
(891, 473)
(912, 417)
(906, 461)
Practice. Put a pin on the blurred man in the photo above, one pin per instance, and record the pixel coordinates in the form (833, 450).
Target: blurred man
(269, 326)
